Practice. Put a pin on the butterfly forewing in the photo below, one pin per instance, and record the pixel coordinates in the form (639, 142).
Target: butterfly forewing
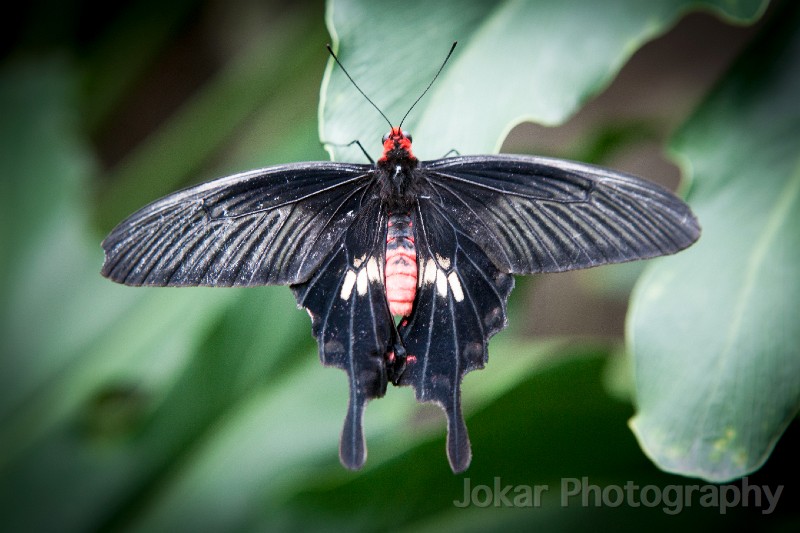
(535, 214)
(269, 226)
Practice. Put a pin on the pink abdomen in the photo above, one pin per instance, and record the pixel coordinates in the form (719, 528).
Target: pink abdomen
(401, 265)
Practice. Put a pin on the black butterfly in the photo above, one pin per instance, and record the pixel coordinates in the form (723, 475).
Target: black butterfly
(436, 241)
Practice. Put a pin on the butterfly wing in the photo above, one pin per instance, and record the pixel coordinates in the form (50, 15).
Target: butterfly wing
(480, 219)
(310, 225)
(346, 299)
(536, 214)
(460, 303)
(268, 226)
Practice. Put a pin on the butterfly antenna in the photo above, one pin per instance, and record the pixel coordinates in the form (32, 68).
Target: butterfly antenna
(356, 85)
(430, 84)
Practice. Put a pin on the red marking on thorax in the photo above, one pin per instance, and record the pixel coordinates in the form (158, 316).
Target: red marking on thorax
(401, 265)
(396, 140)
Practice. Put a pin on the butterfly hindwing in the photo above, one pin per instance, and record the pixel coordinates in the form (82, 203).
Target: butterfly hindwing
(346, 299)
(460, 303)
(268, 226)
(536, 214)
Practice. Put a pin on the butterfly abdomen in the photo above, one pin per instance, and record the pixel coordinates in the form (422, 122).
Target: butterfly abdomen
(401, 265)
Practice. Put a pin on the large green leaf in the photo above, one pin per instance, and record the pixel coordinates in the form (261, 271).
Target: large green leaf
(516, 61)
(715, 330)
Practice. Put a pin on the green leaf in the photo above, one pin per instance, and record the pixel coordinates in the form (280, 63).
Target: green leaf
(516, 61)
(714, 330)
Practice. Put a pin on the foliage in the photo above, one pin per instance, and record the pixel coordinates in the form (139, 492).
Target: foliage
(715, 331)
(205, 409)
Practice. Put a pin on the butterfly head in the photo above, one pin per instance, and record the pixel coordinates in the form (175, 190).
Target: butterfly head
(397, 145)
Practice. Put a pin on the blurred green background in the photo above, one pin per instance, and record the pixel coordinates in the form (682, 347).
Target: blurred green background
(205, 409)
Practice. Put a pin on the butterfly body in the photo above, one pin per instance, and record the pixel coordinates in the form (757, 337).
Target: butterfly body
(401, 265)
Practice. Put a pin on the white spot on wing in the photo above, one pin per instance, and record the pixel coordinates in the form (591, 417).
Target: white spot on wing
(455, 286)
(359, 260)
(430, 271)
(347, 286)
(443, 261)
(361, 282)
(441, 283)
(372, 270)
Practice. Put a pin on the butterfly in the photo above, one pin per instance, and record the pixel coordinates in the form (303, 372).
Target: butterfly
(435, 243)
